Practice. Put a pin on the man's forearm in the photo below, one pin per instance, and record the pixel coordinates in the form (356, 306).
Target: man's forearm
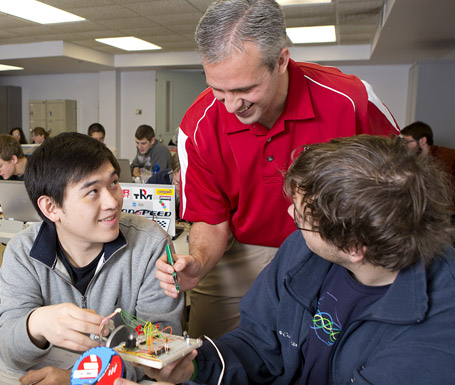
(207, 243)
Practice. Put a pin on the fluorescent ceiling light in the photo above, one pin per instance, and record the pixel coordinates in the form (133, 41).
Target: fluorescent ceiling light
(129, 43)
(301, 2)
(4, 67)
(35, 11)
(306, 35)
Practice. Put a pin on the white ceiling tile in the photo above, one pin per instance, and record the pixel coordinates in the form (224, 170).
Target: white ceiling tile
(175, 20)
(65, 4)
(171, 23)
(202, 5)
(104, 12)
(162, 7)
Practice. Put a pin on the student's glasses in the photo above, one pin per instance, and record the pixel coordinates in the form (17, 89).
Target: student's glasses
(298, 218)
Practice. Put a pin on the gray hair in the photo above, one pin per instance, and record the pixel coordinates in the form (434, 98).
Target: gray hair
(228, 24)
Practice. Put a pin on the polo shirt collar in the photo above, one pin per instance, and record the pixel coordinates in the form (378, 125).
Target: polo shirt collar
(44, 248)
(298, 102)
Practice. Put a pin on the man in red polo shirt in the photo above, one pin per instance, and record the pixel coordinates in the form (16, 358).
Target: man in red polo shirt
(236, 140)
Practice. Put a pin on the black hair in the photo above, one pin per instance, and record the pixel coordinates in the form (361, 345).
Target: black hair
(95, 127)
(419, 130)
(23, 139)
(61, 160)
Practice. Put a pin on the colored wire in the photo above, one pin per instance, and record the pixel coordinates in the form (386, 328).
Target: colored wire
(150, 331)
(106, 320)
(131, 320)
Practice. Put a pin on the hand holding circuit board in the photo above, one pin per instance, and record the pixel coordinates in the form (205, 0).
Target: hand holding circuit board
(145, 343)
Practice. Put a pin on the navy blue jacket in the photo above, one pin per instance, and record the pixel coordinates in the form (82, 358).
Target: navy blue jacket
(406, 337)
(161, 177)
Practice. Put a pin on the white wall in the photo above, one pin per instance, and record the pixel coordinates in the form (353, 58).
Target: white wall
(431, 99)
(390, 83)
(136, 88)
(109, 109)
(175, 92)
(80, 87)
(137, 92)
(112, 98)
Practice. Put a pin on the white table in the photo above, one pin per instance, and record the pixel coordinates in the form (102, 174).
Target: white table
(8, 229)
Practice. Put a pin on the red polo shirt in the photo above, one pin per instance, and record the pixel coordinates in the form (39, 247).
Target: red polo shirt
(232, 171)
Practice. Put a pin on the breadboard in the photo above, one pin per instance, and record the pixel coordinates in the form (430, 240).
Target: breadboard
(161, 351)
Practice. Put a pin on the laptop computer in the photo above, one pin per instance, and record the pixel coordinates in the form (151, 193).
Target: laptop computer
(125, 171)
(28, 149)
(153, 201)
(17, 209)
(16, 203)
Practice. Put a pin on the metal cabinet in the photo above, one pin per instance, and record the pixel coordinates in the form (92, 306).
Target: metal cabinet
(10, 108)
(55, 116)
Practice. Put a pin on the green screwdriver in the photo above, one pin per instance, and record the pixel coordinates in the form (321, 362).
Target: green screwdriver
(171, 262)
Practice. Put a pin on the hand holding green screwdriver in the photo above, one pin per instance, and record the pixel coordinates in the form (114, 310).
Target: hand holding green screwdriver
(171, 262)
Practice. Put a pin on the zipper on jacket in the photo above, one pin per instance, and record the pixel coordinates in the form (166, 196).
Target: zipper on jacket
(332, 353)
(311, 309)
(61, 276)
(84, 297)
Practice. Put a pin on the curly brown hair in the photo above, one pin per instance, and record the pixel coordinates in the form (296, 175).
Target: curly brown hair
(372, 191)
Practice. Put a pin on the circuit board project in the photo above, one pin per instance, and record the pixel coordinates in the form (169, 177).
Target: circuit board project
(144, 343)
(163, 350)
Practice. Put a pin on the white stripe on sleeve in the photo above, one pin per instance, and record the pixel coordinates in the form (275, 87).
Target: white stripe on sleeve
(183, 159)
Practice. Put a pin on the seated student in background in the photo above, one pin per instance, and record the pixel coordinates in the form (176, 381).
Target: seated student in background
(12, 158)
(152, 155)
(419, 137)
(170, 176)
(60, 278)
(39, 135)
(362, 292)
(18, 135)
(97, 131)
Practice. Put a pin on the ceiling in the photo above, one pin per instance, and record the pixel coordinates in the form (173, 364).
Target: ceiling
(368, 32)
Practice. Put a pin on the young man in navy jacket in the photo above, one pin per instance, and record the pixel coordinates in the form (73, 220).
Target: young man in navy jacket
(362, 292)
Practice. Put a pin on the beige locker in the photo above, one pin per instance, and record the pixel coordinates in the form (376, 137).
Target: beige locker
(55, 116)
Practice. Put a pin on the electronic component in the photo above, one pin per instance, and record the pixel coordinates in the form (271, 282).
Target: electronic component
(145, 343)
(119, 335)
(130, 343)
(158, 351)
